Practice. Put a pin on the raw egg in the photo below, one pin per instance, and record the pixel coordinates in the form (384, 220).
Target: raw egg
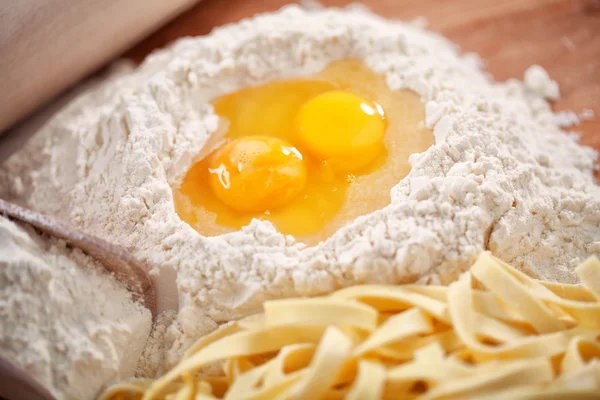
(257, 173)
(308, 155)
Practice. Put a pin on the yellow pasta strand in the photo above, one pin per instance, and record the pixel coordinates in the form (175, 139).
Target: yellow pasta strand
(334, 349)
(579, 353)
(386, 298)
(488, 304)
(238, 344)
(497, 330)
(370, 382)
(406, 349)
(432, 352)
(320, 311)
(127, 390)
(589, 273)
(504, 336)
(513, 373)
(465, 325)
(225, 330)
(246, 384)
(290, 359)
(510, 290)
(432, 372)
(408, 323)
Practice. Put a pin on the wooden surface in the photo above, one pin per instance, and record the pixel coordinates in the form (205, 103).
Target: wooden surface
(561, 35)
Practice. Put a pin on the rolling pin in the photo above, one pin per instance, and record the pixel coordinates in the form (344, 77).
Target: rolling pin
(46, 46)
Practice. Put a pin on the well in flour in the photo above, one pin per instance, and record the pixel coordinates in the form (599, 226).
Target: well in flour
(501, 175)
(343, 165)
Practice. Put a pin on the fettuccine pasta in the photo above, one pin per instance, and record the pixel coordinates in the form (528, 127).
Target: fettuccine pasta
(493, 334)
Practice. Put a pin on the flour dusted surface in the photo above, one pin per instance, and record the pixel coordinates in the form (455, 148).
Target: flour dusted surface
(501, 176)
(62, 318)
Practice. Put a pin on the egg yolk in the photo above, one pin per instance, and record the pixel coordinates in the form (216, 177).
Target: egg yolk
(309, 155)
(257, 173)
(342, 128)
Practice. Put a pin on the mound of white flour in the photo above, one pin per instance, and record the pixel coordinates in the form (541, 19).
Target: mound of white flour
(501, 176)
(62, 318)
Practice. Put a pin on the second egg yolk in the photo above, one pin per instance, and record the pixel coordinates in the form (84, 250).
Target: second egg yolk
(309, 155)
(342, 128)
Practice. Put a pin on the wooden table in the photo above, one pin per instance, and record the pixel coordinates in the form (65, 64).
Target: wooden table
(561, 35)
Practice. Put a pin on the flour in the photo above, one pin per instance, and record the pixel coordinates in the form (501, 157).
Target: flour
(537, 80)
(501, 175)
(569, 118)
(153, 360)
(62, 318)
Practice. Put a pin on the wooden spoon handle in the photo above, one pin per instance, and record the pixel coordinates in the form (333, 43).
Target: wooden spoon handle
(115, 259)
(17, 384)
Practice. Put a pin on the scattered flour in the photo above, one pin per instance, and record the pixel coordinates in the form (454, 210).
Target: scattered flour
(538, 81)
(568, 43)
(569, 118)
(501, 176)
(62, 318)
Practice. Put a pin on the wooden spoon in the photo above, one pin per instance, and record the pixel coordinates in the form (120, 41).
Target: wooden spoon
(129, 271)
(16, 383)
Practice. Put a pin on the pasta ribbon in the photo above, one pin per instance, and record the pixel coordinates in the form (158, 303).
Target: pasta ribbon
(495, 333)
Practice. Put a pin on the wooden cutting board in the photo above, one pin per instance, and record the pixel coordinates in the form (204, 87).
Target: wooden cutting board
(561, 35)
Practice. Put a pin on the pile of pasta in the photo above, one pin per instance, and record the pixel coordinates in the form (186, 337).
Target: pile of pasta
(495, 333)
